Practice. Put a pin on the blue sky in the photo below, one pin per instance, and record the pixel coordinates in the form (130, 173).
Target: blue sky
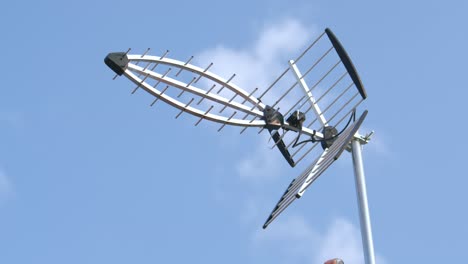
(91, 174)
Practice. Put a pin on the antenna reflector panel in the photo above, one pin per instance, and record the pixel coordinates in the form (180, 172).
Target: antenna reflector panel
(298, 186)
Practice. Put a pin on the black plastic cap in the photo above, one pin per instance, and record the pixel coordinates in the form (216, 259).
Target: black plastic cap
(347, 62)
(282, 147)
(117, 61)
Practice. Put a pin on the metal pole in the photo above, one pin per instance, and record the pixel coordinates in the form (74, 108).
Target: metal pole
(366, 231)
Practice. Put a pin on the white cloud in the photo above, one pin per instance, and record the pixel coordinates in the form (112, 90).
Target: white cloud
(290, 236)
(261, 164)
(284, 38)
(379, 145)
(258, 66)
(341, 239)
(292, 229)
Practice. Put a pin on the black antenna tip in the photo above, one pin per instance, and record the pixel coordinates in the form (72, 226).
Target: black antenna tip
(117, 61)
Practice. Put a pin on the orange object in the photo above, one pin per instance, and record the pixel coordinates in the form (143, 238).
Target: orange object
(334, 261)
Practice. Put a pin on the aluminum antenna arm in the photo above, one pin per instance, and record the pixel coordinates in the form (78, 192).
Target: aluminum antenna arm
(122, 64)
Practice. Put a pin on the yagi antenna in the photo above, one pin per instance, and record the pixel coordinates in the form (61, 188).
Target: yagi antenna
(309, 110)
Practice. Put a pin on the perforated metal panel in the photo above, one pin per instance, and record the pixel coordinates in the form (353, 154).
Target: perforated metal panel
(298, 186)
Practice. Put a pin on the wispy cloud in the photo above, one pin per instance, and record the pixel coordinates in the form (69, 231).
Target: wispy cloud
(292, 230)
(261, 164)
(291, 236)
(258, 65)
(379, 143)
(341, 239)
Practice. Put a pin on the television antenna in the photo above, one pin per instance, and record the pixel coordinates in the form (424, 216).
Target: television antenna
(332, 94)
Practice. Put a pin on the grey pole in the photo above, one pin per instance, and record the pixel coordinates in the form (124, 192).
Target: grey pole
(366, 230)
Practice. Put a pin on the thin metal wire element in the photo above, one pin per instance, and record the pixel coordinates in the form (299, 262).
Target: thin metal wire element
(159, 95)
(185, 107)
(233, 114)
(201, 118)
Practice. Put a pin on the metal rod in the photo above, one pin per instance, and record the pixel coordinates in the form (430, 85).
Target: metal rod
(146, 67)
(185, 107)
(136, 88)
(250, 122)
(292, 107)
(317, 62)
(181, 69)
(199, 77)
(222, 87)
(310, 46)
(142, 57)
(183, 91)
(126, 53)
(201, 118)
(279, 140)
(308, 109)
(295, 186)
(159, 95)
(255, 105)
(251, 93)
(331, 87)
(285, 115)
(350, 110)
(285, 93)
(336, 99)
(242, 131)
(297, 151)
(162, 77)
(255, 117)
(307, 92)
(190, 83)
(300, 179)
(162, 57)
(290, 143)
(271, 85)
(324, 76)
(246, 115)
(341, 108)
(364, 216)
(233, 114)
(207, 92)
(245, 100)
(307, 152)
(230, 100)
(146, 52)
